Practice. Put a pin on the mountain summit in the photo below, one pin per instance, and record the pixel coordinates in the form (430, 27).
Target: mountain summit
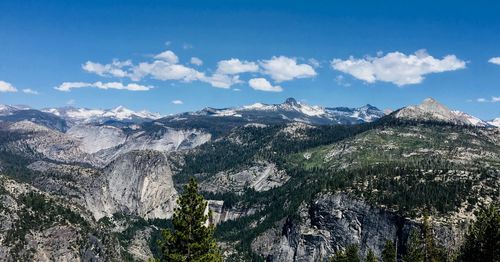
(431, 110)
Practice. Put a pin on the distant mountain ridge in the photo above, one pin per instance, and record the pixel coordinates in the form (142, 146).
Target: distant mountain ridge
(292, 111)
(85, 115)
(289, 111)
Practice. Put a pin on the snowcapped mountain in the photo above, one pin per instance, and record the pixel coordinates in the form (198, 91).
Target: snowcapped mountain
(293, 111)
(9, 109)
(495, 122)
(85, 115)
(430, 109)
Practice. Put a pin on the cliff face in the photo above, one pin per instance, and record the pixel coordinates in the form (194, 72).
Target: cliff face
(137, 183)
(331, 223)
(35, 226)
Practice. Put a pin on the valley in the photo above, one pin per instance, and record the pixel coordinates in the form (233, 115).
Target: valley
(285, 182)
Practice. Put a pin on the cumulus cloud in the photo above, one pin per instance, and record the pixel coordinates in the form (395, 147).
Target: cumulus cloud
(168, 56)
(6, 87)
(114, 69)
(495, 60)
(196, 61)
(162, 70)
(283, 68)
(397, 67)
(263, 85)
(165, 66)
(177, 102)
(221, 80)
(30, 91)
(67, 86)
(235, 66)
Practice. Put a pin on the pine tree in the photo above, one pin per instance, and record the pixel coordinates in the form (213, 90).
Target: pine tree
(370, 257)
(389, 252)
(351, 254)
(190, 240)
(432, 253)
(482, 242)
(414, 248)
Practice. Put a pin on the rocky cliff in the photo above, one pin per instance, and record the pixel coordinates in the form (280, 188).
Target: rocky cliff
(331, 223)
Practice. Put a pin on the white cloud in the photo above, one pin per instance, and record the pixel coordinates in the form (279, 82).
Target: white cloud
(67, 86)
(114, 69)
(263, 85)
(283, 68)
(397, 67)
(30, 91)
(7, 87)
(315, 63)
(162, 70)
(221, 80)
(196, 61)
(165, 66)
(186, 46)
(495, 60)
(235, 66)
(71, 102)
(168, 56)
(177, 102)
(493, 99)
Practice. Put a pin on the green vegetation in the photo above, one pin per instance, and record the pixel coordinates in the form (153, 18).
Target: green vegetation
(350, 254)
(482, 242)
(39, 213)
(370, 257)
(402, 166)
(389, 252)
(246, 145)
(190, 239)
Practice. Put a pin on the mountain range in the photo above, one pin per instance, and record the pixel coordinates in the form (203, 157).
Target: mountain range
(288, 111)
(285, 182)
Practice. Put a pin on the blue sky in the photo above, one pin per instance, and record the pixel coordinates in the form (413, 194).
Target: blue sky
(331, 53)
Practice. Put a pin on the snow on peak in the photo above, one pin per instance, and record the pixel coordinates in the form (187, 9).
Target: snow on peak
(291, 104)
(98, 115)
(469, 119)
(431, 109)
(9, 109)
(256, 106)
(495, 122)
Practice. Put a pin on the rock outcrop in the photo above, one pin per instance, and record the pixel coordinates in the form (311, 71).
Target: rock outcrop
(331, 223)
(137, 183)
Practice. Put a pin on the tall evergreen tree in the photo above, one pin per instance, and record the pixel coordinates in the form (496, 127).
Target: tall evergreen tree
(389, 252)
(191, 239)
(414, 248)
(351, 254)
(482, 242)
(432, 253)
(370, 257)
